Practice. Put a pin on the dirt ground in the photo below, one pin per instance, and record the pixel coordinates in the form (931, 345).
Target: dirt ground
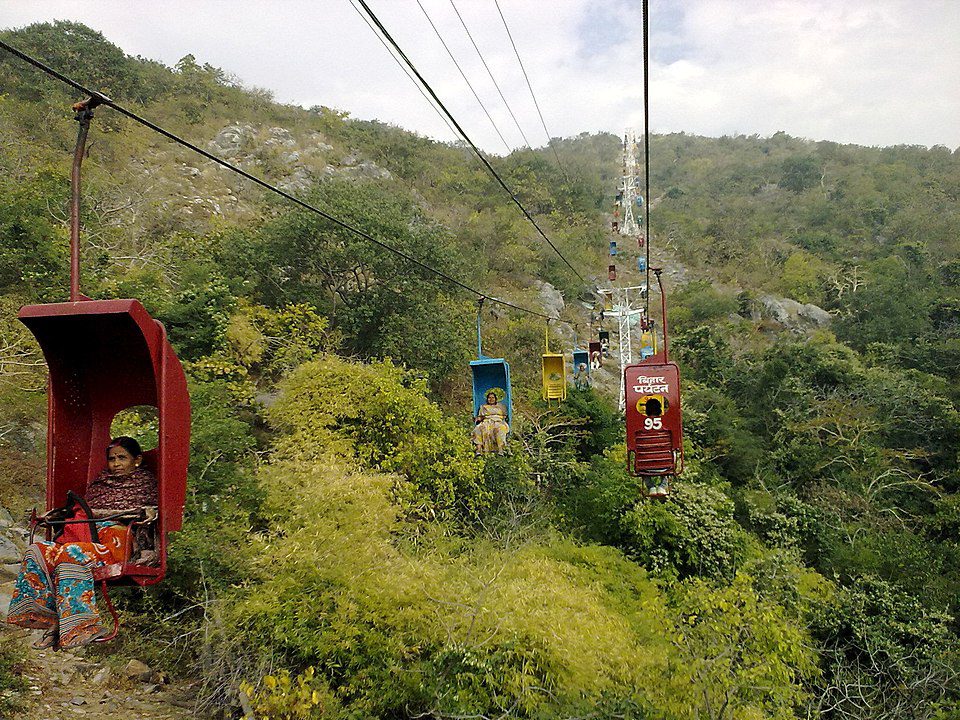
(70, 684)
(66, 685)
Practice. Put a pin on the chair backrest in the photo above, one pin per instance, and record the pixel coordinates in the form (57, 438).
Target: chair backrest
(554, 377)
(492, 374)
(581, 357)
(653, 417)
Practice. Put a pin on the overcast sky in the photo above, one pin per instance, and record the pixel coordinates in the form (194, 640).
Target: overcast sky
(873, 72)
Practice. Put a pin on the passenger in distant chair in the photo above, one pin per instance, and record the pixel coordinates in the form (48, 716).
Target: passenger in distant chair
(581, 378)
(491, 430)
(595, 361)
(54, 590)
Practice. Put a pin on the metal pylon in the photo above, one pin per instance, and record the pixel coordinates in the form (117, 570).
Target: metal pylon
(624, 311)
(630, 226)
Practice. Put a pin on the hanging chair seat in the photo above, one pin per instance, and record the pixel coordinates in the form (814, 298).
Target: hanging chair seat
(491, 375)
(105, 356)
(554, 377)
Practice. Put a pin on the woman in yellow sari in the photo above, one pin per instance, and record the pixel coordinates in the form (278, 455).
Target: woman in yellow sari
(490, 433)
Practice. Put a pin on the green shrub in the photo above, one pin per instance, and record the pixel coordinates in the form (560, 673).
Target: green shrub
(691, 533)
(379, 414)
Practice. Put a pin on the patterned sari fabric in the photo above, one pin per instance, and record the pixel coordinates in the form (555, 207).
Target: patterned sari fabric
(54, 590)
(490, 433)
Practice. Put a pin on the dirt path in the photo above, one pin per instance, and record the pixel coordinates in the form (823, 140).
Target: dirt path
(69, 685)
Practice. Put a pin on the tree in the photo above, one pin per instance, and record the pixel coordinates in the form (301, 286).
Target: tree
(800, 172)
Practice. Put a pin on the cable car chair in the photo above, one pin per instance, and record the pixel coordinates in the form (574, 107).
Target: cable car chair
(613, 248)
(105, 356)
(554, 372)
(604, 337)
(490, 375)
(581, 357)
(653, 416)
(648, 344)
(596, 352)
(612, 273)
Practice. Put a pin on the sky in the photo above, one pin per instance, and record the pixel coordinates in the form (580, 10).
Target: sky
(870, 72)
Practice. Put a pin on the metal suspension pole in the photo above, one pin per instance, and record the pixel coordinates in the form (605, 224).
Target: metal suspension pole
(479, 337)
(663, 312)
(84, 113)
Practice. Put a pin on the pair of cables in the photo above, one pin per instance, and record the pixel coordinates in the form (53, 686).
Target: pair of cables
(398, 52)
(104, 100)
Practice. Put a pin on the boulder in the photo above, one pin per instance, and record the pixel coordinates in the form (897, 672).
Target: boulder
(137, 670)
(229, 140)
(9, 551)
(550, 298)
(282, 136)
(6, 519)
(793, 315)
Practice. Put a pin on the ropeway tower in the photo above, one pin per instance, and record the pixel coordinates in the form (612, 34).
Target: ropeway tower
(627, 316)
(628, 189)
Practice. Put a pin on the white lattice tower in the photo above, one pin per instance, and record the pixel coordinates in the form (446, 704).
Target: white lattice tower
(630, 226)
(625, 312)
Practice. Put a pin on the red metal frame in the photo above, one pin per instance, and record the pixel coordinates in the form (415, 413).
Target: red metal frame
(654, 440)
(105, 356)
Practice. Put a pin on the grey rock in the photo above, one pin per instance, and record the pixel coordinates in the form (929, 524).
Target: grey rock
(6, 519)
(319, 142)
(230, 139)
(550, 298)
(9, 551)
(815, 314)
(137, 669)
(793, 315)
(298, 181)
(282, 136)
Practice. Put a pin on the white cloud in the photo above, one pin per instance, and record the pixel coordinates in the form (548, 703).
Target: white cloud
(867, 71)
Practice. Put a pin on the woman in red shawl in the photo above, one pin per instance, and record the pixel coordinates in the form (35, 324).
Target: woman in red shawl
(54, 590)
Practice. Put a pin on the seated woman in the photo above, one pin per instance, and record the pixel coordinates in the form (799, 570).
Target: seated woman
(491, 430)
(54, 590)
(581, 378)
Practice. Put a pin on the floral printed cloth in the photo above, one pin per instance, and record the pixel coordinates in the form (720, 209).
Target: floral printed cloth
(54, 590)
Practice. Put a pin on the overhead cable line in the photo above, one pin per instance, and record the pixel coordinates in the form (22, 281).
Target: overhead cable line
(463, 134)
(646, 143)
(530, 88)
(403, 67)
(490, 73)
(104, 100)
(463, 75)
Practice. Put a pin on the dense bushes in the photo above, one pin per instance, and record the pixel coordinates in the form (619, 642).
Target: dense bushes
(400, 617)
(807, 560)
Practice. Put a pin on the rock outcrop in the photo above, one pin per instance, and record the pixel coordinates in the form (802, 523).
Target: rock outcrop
(793, 315)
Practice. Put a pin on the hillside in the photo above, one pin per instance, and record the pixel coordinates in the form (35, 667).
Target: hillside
(345, 555)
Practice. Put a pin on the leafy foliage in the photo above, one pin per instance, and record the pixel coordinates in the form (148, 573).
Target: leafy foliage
(375, 568)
